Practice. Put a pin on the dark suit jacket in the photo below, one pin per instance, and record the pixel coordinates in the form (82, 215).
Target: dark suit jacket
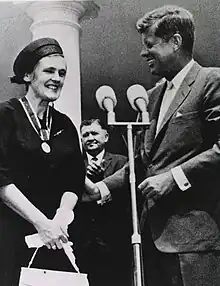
(190, 137)
(109, 223)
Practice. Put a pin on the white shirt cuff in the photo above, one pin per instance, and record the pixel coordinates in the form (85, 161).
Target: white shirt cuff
(104, 192)
(180, 178)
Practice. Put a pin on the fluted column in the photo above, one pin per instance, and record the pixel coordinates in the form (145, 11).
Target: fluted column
(61, 20)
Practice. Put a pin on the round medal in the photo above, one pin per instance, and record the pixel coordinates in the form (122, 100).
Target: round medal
(45, 147)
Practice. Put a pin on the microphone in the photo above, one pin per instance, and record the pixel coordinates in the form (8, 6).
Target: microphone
(106, 99)
(138, 99)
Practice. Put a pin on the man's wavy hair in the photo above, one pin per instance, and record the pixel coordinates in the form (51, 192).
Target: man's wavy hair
(169, 20)
(88, 122)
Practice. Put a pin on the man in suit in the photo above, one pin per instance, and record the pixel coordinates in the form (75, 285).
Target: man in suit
(180, 154)
(103, 247)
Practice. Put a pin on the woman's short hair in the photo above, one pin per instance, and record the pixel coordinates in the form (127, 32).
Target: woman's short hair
(27, 59)
(167, 21)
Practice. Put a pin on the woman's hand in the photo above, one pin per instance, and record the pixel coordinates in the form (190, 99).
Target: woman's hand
(51, 233)
(63, 218)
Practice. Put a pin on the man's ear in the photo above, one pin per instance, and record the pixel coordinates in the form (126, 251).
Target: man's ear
(106, 137)
(176, 41)
(27, 77)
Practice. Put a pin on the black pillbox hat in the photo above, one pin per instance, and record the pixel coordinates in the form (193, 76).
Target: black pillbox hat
(27, 59)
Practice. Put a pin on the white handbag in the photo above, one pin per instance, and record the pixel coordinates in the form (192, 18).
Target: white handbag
(43, 277)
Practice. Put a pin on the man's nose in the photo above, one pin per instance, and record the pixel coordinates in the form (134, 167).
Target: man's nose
(91, 136)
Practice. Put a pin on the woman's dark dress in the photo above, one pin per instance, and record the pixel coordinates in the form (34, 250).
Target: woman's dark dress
(41, 177)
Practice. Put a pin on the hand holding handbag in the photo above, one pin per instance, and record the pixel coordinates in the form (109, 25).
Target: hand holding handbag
(43, 277)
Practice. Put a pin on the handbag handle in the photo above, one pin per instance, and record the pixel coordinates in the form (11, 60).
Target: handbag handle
(32, 257)
(68, 251)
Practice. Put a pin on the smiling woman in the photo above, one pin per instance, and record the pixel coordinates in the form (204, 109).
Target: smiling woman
(39, 148)
(47, 78)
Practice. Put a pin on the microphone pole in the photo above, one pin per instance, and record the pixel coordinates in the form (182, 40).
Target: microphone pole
(138, 277)
(136, 237)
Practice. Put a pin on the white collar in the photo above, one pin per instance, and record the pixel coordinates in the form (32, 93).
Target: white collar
(178, 79)
(99, 156)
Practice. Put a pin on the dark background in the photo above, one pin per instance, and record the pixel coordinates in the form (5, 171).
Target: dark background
(110, 50)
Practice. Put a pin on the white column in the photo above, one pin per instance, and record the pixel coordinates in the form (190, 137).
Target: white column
(60, 20)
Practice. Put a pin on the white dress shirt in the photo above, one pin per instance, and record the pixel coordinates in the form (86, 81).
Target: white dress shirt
(170, 92)
(99, 158)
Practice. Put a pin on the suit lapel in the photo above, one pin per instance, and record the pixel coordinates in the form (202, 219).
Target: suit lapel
(154, 108)
(106, 160)
(181, 95)
(178, 99)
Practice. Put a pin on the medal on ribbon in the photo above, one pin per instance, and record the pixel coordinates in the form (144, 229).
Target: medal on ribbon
(44, 133)
(45, 147)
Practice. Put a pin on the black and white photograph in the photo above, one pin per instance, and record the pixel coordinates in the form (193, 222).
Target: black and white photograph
(110, 143)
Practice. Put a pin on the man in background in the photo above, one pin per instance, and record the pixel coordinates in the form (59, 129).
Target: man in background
(103, 248)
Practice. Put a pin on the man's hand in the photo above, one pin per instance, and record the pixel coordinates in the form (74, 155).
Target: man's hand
(93, 169)
(157, 186)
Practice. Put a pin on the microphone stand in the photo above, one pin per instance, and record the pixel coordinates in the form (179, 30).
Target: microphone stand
(138, 276)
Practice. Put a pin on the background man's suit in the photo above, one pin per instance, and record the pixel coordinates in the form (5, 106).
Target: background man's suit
(103, 232)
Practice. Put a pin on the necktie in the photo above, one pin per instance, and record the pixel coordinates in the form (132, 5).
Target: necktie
(167, 99)
(99, 175)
